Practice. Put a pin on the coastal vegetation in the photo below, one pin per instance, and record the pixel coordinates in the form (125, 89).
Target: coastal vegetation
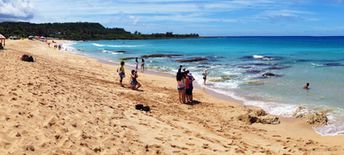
(79, 31)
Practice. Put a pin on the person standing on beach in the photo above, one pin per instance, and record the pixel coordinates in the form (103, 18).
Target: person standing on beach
(188, 85)
(143, 64)
(134, 84)
(181, 85)
(191, 79)
(121, 73)
(136, 63)
(205, 75)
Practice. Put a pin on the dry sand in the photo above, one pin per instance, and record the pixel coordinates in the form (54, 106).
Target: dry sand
(70, 104)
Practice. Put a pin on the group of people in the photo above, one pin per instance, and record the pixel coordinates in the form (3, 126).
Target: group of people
(184, 85)
(134, 84)
(142, 64)
(184, 80)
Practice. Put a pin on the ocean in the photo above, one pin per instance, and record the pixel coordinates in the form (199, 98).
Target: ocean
(236, 67)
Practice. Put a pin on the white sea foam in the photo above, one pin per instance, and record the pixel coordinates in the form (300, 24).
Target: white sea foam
(261, 57)
(112, 52)
(98, 45)
(115, 53)
(106, 51)
(258, 56)
(68, 46)
(317, 65)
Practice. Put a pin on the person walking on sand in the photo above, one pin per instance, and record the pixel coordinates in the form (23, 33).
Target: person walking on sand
(136, 63)
(205, 75)
(121, 73)
(180, 85)
(134, 84)
(143, 64)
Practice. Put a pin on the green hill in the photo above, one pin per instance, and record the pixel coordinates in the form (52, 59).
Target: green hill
(79, 31)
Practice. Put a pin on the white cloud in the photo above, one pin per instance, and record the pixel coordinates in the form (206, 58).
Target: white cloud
(15, 10)
(287, 14)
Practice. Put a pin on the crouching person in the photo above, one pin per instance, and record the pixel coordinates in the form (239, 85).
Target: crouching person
(135, 85)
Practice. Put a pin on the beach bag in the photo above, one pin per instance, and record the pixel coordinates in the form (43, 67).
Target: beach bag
(27, 58)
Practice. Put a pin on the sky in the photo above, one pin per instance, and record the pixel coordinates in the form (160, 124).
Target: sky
(205, 17)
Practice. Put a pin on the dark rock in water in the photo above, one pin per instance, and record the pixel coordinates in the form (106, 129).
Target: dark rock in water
(27, 58)
(261, 64)
(333, 64)
(128, 58)
(278, 67)
(247, 57)
(121, 51)
(196, 59)
(202, 66)
(253, 71)
(245, 67)
(268, 74)
(160, 55)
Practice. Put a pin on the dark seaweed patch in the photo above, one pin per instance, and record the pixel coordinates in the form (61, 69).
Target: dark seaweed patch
(333, 64)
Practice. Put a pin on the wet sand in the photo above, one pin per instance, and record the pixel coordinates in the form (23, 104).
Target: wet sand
(70, 104)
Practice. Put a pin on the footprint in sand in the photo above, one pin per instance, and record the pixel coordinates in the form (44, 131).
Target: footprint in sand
(190, 144)
(30, 148)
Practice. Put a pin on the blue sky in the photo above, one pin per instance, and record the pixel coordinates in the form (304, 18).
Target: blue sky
(206, 17)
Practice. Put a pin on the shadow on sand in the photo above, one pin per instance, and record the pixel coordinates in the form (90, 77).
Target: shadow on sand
(194, 102)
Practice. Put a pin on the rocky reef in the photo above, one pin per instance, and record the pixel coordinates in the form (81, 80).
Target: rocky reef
(258, 115)
(195, 59)
(314, 118)
(161, 55)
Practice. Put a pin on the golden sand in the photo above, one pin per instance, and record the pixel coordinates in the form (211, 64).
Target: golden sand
(70, 104)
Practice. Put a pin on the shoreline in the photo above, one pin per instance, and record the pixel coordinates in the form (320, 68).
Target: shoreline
(219, 94)
(78, 98)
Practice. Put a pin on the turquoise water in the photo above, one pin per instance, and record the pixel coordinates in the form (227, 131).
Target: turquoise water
(236, 66)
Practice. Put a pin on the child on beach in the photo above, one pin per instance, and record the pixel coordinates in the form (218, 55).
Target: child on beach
(136, 63)
(143, 64)
(134, 83)
(121, 73)
(181, 85)
(205, 74)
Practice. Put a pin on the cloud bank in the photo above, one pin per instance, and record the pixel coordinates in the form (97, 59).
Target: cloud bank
(16, 10)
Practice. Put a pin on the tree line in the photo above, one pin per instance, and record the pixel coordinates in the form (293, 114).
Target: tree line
(79, 31)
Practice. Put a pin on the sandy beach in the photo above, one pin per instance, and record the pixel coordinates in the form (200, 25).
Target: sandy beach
(70, 104)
